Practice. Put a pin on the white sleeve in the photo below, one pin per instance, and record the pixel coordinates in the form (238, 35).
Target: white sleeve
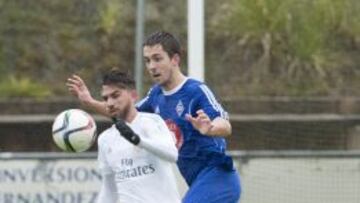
(108, 192)
(159, 140)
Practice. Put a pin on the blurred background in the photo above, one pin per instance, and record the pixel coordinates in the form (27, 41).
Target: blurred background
(287, 71)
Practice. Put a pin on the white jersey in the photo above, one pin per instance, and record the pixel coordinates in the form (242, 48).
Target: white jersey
(143, 173)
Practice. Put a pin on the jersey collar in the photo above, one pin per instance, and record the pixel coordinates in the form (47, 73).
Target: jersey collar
(175, 89)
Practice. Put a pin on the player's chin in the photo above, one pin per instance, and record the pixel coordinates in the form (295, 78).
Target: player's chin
(114, 114)
(159, 80)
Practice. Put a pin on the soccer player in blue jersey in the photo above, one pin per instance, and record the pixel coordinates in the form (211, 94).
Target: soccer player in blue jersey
(192, 113)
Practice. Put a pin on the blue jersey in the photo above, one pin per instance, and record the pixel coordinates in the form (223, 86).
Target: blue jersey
(196, 151)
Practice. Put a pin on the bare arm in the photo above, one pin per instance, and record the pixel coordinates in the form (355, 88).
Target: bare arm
(220, 127)
(216, 127)
(78, 88)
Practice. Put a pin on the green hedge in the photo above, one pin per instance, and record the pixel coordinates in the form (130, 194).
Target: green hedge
(259, 47)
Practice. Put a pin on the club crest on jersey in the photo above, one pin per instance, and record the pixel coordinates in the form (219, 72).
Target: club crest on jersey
(180, 108)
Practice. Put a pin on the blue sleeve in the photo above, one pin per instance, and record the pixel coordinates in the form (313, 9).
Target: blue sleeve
(208, 103)
(144, 105)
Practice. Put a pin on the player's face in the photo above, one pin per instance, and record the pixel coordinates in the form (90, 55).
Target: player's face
(159, 65)
(118, 101)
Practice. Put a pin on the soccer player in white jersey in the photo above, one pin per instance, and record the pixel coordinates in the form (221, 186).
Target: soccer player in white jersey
(136, 153)
(192, 112)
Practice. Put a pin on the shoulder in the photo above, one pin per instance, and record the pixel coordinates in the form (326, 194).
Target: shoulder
(150, 117)
(196, 86)
(154, 90)
(151, 121)
(105, 136)
(145, 103)
(193, 83)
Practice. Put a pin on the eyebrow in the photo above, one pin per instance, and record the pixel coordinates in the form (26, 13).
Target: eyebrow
(156, 54)
(111, 93)
(153, 55)
(104, 96)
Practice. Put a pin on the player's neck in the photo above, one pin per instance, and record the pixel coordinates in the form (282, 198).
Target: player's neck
(131, 115)
(177, 79)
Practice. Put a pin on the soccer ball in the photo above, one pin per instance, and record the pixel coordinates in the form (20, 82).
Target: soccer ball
(74, 130)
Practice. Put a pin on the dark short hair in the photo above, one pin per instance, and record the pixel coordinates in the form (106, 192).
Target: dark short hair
(169, 42)
(119, 78)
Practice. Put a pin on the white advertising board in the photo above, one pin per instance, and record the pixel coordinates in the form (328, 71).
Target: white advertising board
(296, 178)
(49, 181)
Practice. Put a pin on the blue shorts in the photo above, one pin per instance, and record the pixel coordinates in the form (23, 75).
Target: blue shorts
(214, 184)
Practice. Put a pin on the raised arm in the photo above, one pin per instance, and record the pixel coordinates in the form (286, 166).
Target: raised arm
(78, 88)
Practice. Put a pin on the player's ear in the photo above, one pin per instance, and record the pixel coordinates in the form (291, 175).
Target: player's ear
(176, 59)
(134, 95)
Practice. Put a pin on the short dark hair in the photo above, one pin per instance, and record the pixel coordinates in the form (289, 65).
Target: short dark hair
(169, 42)
(119, 78)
